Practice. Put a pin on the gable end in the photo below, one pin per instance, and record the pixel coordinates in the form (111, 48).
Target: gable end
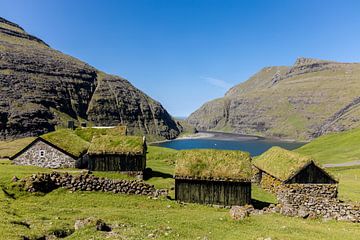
(311, 173)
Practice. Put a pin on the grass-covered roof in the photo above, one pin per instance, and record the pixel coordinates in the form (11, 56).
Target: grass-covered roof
(117, 144)
(88, 133)
(67, 140)
(213, 164)
(281, 163)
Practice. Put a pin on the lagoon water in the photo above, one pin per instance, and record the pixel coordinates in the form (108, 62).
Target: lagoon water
(254, 145)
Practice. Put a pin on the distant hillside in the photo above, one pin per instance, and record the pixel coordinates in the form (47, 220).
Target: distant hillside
(42, 88)
(335, 147)
(303, 101)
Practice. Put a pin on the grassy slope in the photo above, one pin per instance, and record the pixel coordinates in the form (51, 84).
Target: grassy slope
(349, 186)
(291, 108)
(9, 148)
(339, 148)
(137, 216)
(334, 148)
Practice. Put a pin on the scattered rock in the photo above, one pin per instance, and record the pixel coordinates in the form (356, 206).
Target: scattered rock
(15, 179)
(81, 223)
(151, 235)
(241, 212)
(102, 226)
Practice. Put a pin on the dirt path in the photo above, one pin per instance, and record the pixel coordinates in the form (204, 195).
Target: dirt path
(345, 164)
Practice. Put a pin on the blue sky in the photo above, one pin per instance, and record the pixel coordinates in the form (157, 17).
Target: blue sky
(186, 52)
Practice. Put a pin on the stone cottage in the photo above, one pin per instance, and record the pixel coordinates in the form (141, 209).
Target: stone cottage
(302, 187)
(208, 176)
(278, 166)
(59, 149)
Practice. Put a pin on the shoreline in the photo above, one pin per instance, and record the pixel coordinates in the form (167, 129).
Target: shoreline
(225, 136)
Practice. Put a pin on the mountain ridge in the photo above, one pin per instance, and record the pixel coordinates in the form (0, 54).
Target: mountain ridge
(43, 88)
(306, 100)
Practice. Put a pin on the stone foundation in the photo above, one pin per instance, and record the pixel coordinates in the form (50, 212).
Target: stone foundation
(303, 200)
(315, 200)
(302, 193)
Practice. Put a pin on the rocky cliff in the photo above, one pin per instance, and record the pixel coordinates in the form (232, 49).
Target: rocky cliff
(42, 88)
(303, 101)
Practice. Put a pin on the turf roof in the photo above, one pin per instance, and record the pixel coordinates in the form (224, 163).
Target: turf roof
(117, 144)
(213, 164)
(88, 133)
(281, 163)
(67, 140)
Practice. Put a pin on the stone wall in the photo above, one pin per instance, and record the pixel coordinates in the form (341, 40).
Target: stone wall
(303, 200)
(306, 201)
(292, 192)
(269, 183)
(256, 175)
(315, 200)
(52, 158)
(47, 182)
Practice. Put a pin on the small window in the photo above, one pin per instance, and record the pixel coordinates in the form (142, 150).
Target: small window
(42, 153)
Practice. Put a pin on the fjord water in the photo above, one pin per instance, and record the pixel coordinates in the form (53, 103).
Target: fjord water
(254, 145)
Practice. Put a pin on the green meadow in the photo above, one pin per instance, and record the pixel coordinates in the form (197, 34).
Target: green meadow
(140, 217)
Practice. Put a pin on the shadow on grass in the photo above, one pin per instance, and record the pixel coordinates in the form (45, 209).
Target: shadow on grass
(10, 195)
(157, 174)
(259, 204)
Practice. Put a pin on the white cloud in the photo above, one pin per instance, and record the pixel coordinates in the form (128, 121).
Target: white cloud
(218, 83)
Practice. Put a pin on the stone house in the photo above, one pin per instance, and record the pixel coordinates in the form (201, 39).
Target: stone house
(279, 167)
(42, 153)
(59, 149)
(96, 148)
(219, 177)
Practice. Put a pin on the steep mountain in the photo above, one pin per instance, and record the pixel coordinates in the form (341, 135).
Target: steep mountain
(303, 101)
(42, 88)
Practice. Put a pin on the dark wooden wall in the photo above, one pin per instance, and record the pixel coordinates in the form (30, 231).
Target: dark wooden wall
(117, 162)
(213, 192)
(312, 174)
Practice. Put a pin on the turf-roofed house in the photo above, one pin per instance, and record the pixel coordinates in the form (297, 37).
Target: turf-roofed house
(278, 166)
(63, 148)
(59, 149)
(119, 153)
(218, 177)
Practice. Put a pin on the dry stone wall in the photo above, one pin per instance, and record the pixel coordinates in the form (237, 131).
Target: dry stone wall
(51, 158)
(46, 182)
(269, 183)
(315, 200)
(303, 200)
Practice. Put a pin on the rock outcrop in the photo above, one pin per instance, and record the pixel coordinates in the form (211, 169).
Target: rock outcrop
(42, 88)
(303, 101)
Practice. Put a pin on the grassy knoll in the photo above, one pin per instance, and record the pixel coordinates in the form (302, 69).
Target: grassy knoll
(335, 147)
(137, 217)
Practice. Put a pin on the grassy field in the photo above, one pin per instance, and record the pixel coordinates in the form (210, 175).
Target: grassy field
(349, 186)
(138, 217)
(335, 147)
